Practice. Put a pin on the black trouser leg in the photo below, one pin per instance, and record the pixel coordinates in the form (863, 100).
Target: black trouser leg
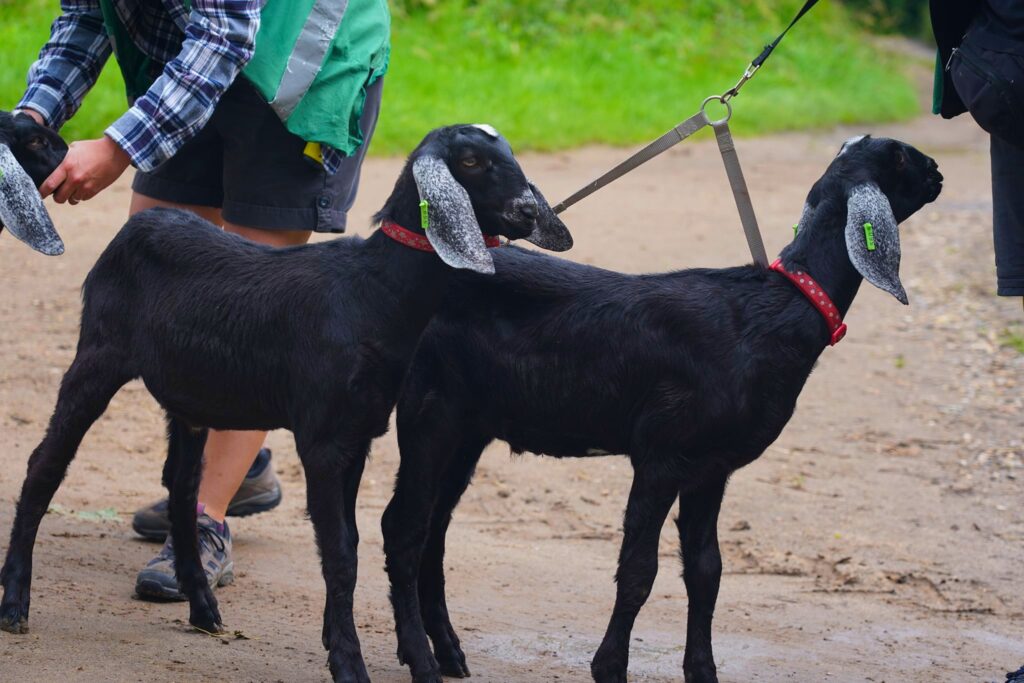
(1008, 216)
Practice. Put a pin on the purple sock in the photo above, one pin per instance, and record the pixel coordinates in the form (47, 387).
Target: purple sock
(201, 510)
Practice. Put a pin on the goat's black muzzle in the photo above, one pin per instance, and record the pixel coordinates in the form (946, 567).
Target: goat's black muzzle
(934, 181)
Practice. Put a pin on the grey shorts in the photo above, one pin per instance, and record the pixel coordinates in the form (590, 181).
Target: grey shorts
(246, 163)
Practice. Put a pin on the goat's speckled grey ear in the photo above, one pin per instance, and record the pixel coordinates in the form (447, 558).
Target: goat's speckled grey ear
(875, 250)
(454, 232)
(22, 210)
(550, 233)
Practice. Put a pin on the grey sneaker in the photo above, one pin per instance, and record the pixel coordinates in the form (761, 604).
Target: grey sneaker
(259, 492)
(157, 580)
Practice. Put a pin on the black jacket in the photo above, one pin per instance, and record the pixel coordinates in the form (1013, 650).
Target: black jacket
(950, 20)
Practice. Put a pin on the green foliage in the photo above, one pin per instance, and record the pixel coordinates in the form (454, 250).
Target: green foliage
(1013, 338)
(909, 17)
(552, 74)
(557, 73)
(24, 28)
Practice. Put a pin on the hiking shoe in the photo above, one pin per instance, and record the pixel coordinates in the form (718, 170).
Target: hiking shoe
(259, 492)
(158, 582)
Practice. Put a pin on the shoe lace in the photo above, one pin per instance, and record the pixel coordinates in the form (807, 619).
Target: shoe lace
(209, 536)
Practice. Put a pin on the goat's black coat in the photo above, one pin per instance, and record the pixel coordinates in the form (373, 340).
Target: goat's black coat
(228, 334)
(692, 374)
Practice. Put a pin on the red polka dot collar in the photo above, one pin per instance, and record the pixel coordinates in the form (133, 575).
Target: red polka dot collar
(817, 296)
(419, 241)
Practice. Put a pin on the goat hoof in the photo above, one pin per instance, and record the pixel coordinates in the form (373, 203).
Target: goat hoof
(700, 673)
(453, 665)
(207, 620)
(13, 619)
(608, 672)
(700, 677)
(428, 678)
(348, 668)
(203, 612)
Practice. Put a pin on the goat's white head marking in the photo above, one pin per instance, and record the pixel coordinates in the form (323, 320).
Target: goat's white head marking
(489, 129)
(850, 143)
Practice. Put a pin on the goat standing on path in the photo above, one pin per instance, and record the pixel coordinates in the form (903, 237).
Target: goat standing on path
(692, 374)
(228, 334)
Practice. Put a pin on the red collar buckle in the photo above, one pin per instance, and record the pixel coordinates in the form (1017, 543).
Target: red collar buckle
(415, 240)
(817, 296)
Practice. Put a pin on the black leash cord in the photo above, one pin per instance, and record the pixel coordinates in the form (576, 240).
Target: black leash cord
(767, 52)
(760, 59)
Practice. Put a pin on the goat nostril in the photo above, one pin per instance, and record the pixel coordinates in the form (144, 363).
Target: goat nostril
(530, 210)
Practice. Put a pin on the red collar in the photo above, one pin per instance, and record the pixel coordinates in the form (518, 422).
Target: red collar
(817, 296)
(418, 241)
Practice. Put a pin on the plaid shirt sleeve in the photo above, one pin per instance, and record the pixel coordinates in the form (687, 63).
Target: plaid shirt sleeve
(219, 41)
(69, 63)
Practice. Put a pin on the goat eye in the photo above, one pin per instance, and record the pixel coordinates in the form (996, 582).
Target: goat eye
(36, 143)
(470, 162)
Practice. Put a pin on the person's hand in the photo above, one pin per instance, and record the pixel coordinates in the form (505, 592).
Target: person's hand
(90, 167)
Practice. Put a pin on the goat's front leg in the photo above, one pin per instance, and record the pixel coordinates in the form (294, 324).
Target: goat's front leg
(185, 453)
(433, 603)
(91, 381)
(406, 526)
(650, 500)
(702, 573)
(332, 479)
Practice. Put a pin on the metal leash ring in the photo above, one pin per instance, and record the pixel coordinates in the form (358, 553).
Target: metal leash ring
(728, 110)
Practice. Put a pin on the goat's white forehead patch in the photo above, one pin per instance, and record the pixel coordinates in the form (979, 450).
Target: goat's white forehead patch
(489, 129)
(849, 143)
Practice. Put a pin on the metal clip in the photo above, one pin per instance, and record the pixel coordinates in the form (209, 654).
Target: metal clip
(735, 90)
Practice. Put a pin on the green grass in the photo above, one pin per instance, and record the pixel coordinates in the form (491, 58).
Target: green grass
(554, 74)
(1014, 339)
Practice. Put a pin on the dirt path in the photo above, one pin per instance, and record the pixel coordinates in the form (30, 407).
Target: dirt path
(880, 539)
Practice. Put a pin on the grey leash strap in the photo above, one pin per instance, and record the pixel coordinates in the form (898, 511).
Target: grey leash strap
(739, 191)
(662, 144)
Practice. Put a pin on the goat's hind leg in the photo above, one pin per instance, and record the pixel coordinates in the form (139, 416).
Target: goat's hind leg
(650, 500)
(89, 384)
(185, 459)
(702, 573)
(330, 468)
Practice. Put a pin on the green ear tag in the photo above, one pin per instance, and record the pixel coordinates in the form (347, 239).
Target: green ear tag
(424, 214)
(796, 229)
(869, 236)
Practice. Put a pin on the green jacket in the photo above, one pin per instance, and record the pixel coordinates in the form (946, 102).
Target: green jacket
(313, 61)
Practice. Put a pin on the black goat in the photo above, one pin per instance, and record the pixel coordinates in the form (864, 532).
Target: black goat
(692, 374)
(228, 334)
(29, 153)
